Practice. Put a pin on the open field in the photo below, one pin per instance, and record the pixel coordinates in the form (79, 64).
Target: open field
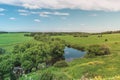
(101, 67)
(7, 41)
(92, 39)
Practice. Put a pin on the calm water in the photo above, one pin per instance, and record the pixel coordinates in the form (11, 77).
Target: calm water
(71, 53)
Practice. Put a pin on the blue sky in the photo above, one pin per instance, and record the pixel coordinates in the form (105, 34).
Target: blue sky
(83, 16)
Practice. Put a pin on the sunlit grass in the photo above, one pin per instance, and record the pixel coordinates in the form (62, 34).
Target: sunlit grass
(8, 40)
(99, 68)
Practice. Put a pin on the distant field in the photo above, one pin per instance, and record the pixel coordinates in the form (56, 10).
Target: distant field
(92, 39)
(8, 40)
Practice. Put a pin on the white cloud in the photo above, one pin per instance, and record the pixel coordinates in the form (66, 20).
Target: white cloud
(2, 14)
(46, 14)
(33, 12)
(12, 18)
(60, 14)
(106, 5)
(2, 9)
(22, 11)
(23, 14)
(37, 20)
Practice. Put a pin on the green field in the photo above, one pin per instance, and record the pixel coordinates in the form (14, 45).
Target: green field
(7, 41)
(100, 67)
(93, 39)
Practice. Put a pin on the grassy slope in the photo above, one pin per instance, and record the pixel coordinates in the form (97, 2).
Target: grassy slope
(7, 41)
(104, 66)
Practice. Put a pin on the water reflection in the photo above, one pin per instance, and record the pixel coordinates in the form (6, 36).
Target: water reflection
(71, 53)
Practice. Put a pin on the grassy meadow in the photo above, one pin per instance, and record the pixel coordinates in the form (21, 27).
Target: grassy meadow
(8, 40)
(98, 68)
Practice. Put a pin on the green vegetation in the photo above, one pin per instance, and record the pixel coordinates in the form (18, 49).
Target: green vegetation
(97, 50)
(41, 56)
(27, 56)
(2, 51)
(8, 40)
(60, 64)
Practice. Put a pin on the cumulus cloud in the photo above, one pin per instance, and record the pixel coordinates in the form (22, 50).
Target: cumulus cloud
(33, 12)
(2, 9)
(22, 11)
(60, 14)
(37, 20)
(106, 5)
(12, 18)
(46, 14)
(23, 14)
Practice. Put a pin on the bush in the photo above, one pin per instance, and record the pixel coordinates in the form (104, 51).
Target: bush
(106, 40)
(97, 50)
(26, 34)
(2, 51)
(60, 64)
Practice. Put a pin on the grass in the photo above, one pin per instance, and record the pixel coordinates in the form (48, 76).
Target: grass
(99, 68)
(93, 39)
(7, 41)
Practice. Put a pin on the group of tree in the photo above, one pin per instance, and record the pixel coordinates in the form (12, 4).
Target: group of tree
(58, 33)
(30, 55)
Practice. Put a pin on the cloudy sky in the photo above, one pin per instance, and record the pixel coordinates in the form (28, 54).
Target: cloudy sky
(59, 15)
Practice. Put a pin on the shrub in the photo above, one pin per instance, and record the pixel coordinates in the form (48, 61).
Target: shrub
(84, 35)
(26, 34)
(2, 51)
(97, 50)
(106, 40)
(60, 64)
(76, 36)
